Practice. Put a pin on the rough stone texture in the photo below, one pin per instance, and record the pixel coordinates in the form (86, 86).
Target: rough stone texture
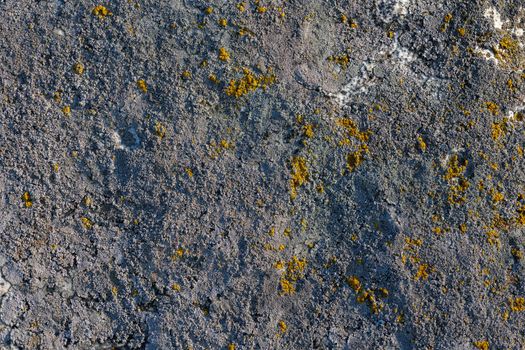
(365, 189)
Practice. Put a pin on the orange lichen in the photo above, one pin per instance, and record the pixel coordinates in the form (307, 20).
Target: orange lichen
(294, 271)
(282, 326)
(354, 283)
(482, 344)
(160, 129)
(78, 68)
(141, 84)
(517, 304)
(28, 202)
(299, 175)
(421, 143)
(86, 222)
(492, 107)
(241, 6)
(422, 272)
(499, 129)
(224, 55)
(493, 237)
(248, 83)
(342, 59)
(354, 159)
(308, 130)
(101, 11)
(66, 110)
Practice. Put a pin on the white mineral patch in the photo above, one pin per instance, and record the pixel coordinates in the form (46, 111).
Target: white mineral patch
(4, 286)
(487, 54)
(401, 7)
(492, 13)
(117, 140)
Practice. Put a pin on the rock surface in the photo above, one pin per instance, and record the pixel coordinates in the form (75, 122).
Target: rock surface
(262, 174)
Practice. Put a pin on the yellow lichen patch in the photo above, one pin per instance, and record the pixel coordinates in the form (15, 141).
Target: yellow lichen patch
(517, 304)
(482, 344)
(294, 271)
(455, 168)
(218, 148)
(369, 297)
(354, 283)
(208, 10)
(223, 22)
(493, 237)
(308, 130)
(422, 272)
(299, 175)
(508, 44)
(241, 6)
(462, 31)
(262, 9)
(66, 110)
(354, 159)
(499, 129)
(160, 129)
(421, 143)
(282, 326)
(351, 127)
(343, 18)
(176, 287)
(492, 107)
(179, 253)
(141, 84)
(101, 11)
(114, 291)
(458, 184)
(248, 83)
(342, 60)
(213, 78)
(189, 172)
(224, 55)
(186, 75)
(86, 222)
(87, 201)
(497, 196)
(516, 253)
(78, 68)
(521, 214)
(231, 346)
(446, 20)
(26, 197)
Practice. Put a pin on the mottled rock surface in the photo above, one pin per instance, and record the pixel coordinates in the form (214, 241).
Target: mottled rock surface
(262, 174)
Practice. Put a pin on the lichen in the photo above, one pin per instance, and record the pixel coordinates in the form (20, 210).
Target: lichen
(26, 198)
(86, 222)
(101, 12)
(160, 129)
(66, 110)
(141, 84)
(422, 272)
(248, 83)
(293, 273)
(224, 55)
(299, 175)
(78, 68)
(482, 344)
(517, 304)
